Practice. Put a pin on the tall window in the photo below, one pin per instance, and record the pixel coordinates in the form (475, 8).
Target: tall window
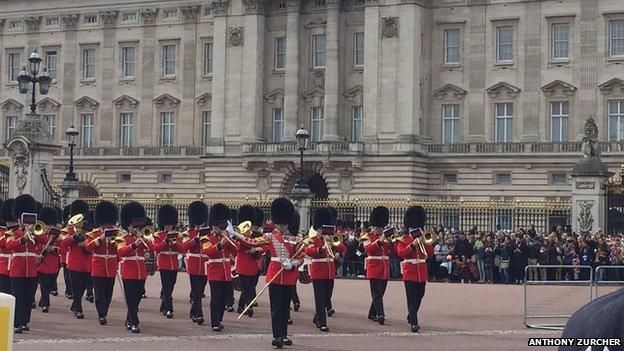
(88, 63)
(319, 51)
(451, 46)
(207, 127)
(166, 129)
(51, 62)
(87, 130)
(450, 123)
(504, 44)
(317, 123)
(616, 120)
(280, 53)
(126, 125)
(50, 121)
(208, 58)
(14, 66)
(11, 123)
(278, 125)
(560, 40)
(358, 49)
(559, 120)
(504, 122)
(169, 60)
(357, 123)
(616, 38)
(127, 61)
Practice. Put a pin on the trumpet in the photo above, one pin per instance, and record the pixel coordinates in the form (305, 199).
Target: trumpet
(394, 238)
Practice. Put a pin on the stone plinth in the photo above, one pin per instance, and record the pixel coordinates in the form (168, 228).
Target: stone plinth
(588, 195)
(301, 199)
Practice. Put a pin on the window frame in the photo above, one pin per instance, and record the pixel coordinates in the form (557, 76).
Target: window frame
(277, 54)
(275, 123)
(355, 122)
(610, 39)
(46, 60)
(125, 62)
(620, 119)
(356, 49)
(47, 117)
(447, 47)
(208, 58)
(56, 25)
(320, 121)
(89, 127)
(95, 19)
(561, 117)
(164, 60)
(507, 118)
(455, 120)
(553, 42)
(498, 44)
(126, 130)
(13, 71)
(498, 175)
(10, 123)
(171, 129)
(315, 64)
(206, 127)
(85, 64)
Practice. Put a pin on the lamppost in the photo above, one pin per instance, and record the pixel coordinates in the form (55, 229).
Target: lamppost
(303, 138)
(24, 79)
(71, 133)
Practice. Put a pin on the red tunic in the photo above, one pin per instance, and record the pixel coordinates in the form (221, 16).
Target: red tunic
(51, 259)
(377, 263)
(5, 255)
(414, 266)
(104, 259)
(132, 260)
(167, 254)
(219, 265)
(78, 256)
(322, 265)
(285, 277)
(23, 262)
(195, 260)
(247, 263)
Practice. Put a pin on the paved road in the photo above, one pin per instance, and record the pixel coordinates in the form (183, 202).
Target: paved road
(453, 317)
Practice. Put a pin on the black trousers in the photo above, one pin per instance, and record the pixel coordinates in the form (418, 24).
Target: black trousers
(133, 290)
(22, 289)
(279, 297)
(248, 289)
(5, 284)
(198, 285)
(55, 285)
(414, 291)
(168, 280)
(90, 286)
(321, 292)
(378, 289)
(80, 281)
(103, 288)
(67, 279)
(219, 294)
(46, 282)
(229, 299)
(294, 297)
(330, 292)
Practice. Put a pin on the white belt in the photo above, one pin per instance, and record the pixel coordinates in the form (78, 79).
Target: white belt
(415, 261)
(277, 259)
(25, 254)
(377, 258)
(104, 256)
(322, 260)
(133, 258)
(198, 255)
(5, 255)
(168, 253)
(218, 260)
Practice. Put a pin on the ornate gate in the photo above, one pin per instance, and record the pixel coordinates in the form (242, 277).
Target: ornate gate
(49, 196)
(4, 180)
(615, 203)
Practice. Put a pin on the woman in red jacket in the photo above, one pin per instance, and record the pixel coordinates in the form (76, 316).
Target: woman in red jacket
(167, 247)
(49, 260)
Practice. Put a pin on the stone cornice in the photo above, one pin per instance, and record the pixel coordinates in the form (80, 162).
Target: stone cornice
(149, 15)
(293, 5)
(332, 4)
(109, 18)
(70, 21)
(220, 7)
(190, 13)
(32, 23)
(254, 7)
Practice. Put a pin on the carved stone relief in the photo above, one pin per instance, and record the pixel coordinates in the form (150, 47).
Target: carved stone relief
(390, 27)
(585, 219)
(21, 161)
(236, 35)
(263, 182)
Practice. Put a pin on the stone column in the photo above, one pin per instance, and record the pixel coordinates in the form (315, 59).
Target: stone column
(409, 72)
(531, 93)
(371, 71)
(107, 118)
(476, 49)
(145, 121)
(187, 113)
(291, 79)
(70, 23)
(253, 72)
(587, 63)
(332, 82)
(219, 73)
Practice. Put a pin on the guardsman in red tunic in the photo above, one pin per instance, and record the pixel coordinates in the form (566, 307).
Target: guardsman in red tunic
(23, 263)
(414, 265)
(197, 213)
(132, 250)
(5, 254)
(104, 260)
(48, 262)
(167, 247)
(377, 262)
(218, 246)
(78, 256)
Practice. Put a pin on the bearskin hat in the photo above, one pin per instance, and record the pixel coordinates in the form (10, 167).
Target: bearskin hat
(90, 217)
(233, 215)
(59, 213)
(79, 207)
(293, 228)
(39, 206)
(1, 220)
(197, 213)
(349, 224)
(379, 216)
(282, 211)
(218, 213)
(334, 212)
(66, 212)
(167, 215)
(48, 216)
(247, 213)
(106, 213)
(130, 211)
(24, 204)
(415, 217)
(259, 217)
(366, 224)
(323, 216)
(7, 211)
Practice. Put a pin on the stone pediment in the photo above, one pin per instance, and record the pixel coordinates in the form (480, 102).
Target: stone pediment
(444, 90)
(166, 101)
(356, 91)
(314, 93)
(204, 100)
(276, 97)
(126, 101)
(12, 106)
(608, 86)
(48, 104)
(558, 87)
(500, 88)
(86, 103)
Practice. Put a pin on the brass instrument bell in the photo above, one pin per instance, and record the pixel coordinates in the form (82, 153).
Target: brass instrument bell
(75, 219)
(38, 228)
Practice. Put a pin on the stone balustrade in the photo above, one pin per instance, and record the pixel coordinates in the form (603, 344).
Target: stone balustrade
(138, 151)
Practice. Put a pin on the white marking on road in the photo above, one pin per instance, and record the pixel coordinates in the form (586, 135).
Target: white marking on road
(269, 336)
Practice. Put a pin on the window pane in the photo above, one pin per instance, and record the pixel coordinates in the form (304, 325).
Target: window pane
(560, 40)
(169, 59)
(207, 128)
(359, 49)
(319, 51)
(451, 46)
(208, 47)
(509, 129)
(280, 53)
(617, 37)
(613, 128)
(51, 63)
(505, 43)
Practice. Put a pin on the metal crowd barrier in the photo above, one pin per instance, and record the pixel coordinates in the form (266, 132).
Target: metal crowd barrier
(608, 278)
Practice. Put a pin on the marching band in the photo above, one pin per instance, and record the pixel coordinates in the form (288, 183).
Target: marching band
(114, 243)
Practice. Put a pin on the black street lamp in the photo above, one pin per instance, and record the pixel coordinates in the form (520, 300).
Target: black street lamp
(303, 138)
(24, 79)
(71, 142)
